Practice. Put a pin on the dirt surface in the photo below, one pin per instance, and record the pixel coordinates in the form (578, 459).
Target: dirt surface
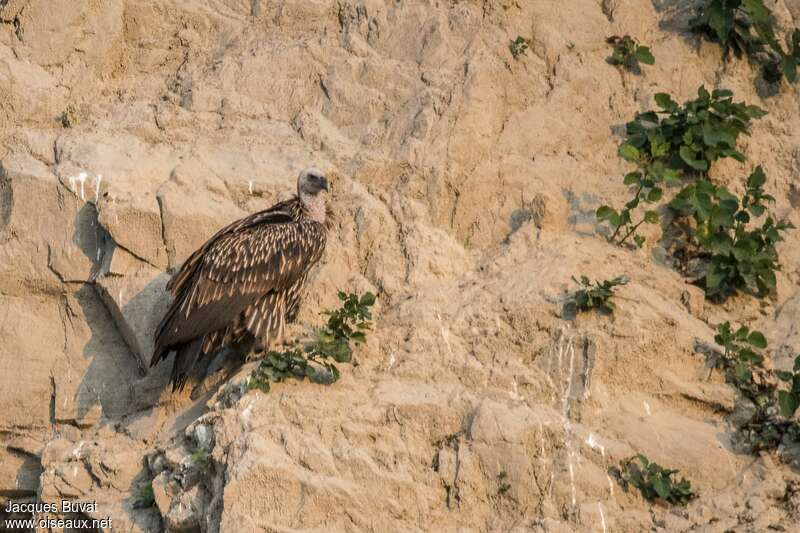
(465, 183)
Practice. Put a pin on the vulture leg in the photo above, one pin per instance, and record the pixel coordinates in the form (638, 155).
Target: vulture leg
(227, 362)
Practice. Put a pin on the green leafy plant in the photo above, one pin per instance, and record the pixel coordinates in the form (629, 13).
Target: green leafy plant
(654, 481)
(674, 141)
(789, 400)
(502, 483)
(598, 296)
(69, 118)
(628, 53)
(347, 324)
(743, 363)
(145, 498)
(775, 394)
(622, 221)
(740, 254)
(745, 27)
(688, 138)
(518, 47)
(201, 460)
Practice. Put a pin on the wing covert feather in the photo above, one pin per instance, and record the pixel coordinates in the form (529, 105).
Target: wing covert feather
(238, 268)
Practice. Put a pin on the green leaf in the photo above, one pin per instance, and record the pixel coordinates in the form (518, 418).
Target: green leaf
(757, 339)
(688, 157)
(629, 152)
(661, 485)
(651, 217)
(716, 137)
(644, 55)
(789, 68)
(632, 177)
(654, 195)
(788, 403)
(720, 22)
(608, 214)
(367, 299)
(665, 101)
(757, 10)
(743, 373)
(755, 111)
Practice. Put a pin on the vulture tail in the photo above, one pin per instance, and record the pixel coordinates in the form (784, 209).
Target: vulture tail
(186, 355)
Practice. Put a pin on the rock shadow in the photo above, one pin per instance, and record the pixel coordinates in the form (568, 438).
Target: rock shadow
(675, 17)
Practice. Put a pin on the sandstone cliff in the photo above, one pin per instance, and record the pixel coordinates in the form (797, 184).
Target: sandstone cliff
(466, 183)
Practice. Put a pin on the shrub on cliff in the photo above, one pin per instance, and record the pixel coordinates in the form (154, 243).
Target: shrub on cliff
(332, 344)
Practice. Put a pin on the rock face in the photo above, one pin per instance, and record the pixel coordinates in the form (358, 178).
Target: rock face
(465, 183)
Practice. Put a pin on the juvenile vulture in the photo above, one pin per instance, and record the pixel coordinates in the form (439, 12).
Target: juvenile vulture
(243, 285)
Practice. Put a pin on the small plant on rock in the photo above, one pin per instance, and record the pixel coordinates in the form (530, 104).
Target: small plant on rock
(345, 325)
(775, 394)
(599, 296)
(518, 47)
(145, 498)
(789, 400)
(675, 141)
(502, 483)
(690, 137)
(740, 254)
(654, 481)
(743, 363)
(745, 27)
(69, 118)
(628, 53)
(201, 460)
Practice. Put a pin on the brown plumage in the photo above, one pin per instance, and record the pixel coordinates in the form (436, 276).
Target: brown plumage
(245, 282)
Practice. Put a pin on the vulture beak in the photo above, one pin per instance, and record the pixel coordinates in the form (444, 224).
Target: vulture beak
(324, 184)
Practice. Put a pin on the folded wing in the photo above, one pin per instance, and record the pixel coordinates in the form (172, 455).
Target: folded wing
(231, 279)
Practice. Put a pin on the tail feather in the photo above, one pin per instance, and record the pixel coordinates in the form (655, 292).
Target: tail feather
(162, 349)
(186, 357)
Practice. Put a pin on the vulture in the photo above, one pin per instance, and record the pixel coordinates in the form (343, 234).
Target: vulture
(239, 289)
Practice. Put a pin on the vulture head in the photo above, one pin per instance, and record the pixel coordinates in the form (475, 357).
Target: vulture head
(310, 182)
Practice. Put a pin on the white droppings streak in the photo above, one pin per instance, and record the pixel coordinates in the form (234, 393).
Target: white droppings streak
(391, 360)
(646, 408)
(247, 412)
(98, 179)
(541, 433)
(565, 408)
(594, 444)
(80, 178)
(250, 187)
(77, 451)
(602, 516)
(572, 479)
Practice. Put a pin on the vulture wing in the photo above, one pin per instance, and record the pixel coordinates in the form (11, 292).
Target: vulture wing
(279, 213)
(232, 271)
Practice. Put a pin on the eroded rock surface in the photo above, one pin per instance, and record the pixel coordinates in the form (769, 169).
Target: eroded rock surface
(465, 183)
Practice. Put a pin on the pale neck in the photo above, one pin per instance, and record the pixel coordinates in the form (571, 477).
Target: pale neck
(315, 205)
